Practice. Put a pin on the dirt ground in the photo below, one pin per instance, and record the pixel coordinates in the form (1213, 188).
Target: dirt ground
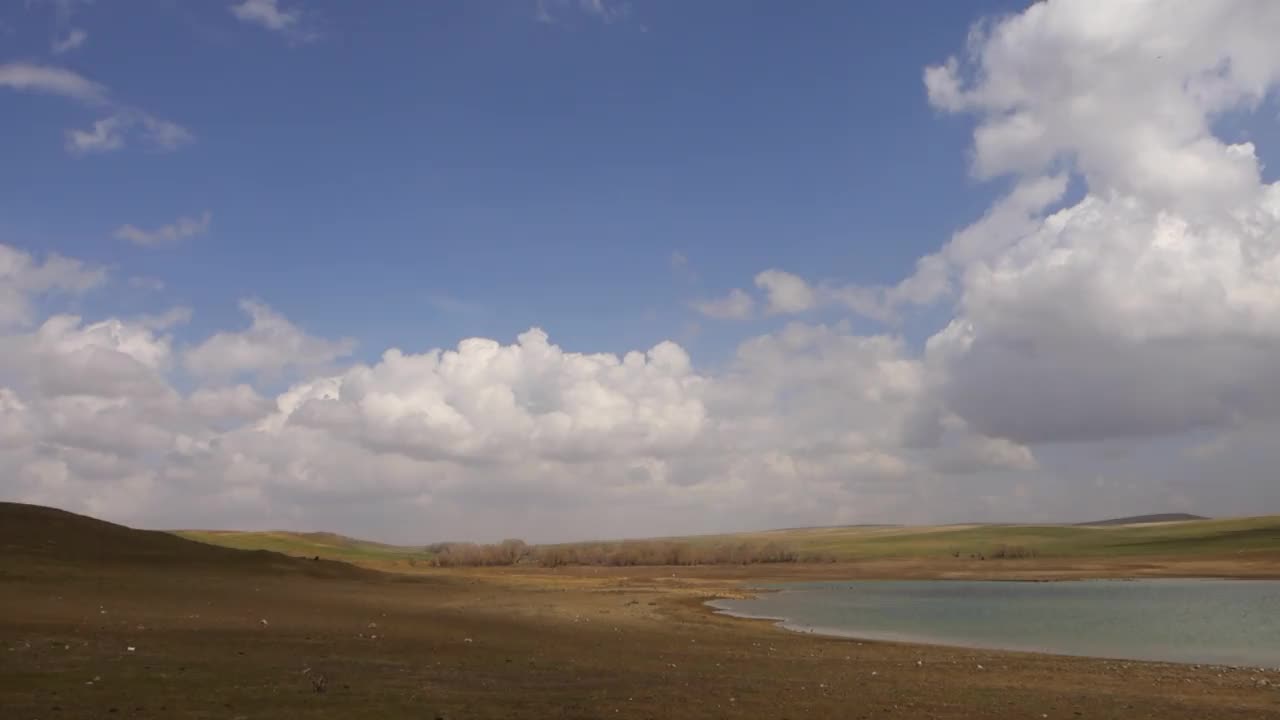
(172, 642)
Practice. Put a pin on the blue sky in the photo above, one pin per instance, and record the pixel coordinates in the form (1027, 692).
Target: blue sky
(795, 263)
(422, 173)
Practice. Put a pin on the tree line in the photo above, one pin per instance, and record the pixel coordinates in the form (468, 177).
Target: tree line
(622, 553)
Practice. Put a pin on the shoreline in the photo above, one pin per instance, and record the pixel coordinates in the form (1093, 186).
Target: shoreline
(925, 644)
(795, 627)
(1251, 566)
(497, 643)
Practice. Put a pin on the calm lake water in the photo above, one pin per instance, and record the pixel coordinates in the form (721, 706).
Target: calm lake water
(1226, 622)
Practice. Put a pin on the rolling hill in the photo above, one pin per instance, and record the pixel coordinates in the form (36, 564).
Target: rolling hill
(33, 536)
(1146, 519)
(1139, 536)
(312, 544)
(1218, 536)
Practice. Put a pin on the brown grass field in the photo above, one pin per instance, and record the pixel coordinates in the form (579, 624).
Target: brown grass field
(100, 621)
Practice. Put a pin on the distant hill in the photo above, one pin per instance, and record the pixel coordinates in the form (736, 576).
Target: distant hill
(33, 535)
(37, 539)
(326, 545)
(1145, 535)
(833, 527)
(1146, 519)
(1138, 536)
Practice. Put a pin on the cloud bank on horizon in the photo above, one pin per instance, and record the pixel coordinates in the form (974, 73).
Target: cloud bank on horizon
(1122, 295)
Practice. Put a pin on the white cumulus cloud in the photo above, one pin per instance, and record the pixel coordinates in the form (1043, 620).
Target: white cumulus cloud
(737, 305)
(74, 38)
(24, 280)
(606, 11)
(484, 439)
(786, 292)
(272, 15)
(180, 229)
(229, 402)
(27, 77)
(107, 133)
(1149, 306)
(269, 346)
(1122, 295)
(1147, 303)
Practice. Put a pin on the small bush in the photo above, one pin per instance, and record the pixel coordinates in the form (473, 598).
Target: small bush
(1013, 552)
(625, 553)
(628, 553)
(507, 552)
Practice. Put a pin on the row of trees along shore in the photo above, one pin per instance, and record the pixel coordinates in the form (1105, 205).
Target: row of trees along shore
(622, 553)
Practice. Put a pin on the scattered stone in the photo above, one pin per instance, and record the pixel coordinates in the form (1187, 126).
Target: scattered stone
(263, 622)
(130, 648)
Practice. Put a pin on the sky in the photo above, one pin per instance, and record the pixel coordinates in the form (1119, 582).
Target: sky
(571, 269)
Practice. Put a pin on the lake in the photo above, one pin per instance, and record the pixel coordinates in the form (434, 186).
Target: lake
(1224, 622)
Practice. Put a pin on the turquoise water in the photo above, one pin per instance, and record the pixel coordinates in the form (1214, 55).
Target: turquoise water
(1225, 622)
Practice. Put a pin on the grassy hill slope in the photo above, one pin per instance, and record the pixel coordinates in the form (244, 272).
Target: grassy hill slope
(1234, 535)
(312, 544)
(36, 537)
(1256, 535)
(1145, 519)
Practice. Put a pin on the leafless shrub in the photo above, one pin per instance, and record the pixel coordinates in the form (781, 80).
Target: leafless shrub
(507, 552)
(623, 553)
(1013, 552)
